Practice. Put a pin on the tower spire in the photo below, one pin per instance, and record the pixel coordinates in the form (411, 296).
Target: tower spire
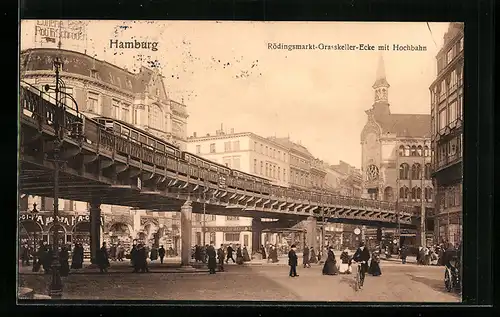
(381, 86)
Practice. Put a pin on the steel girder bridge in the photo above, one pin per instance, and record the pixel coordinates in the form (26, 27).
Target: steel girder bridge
(95, 172)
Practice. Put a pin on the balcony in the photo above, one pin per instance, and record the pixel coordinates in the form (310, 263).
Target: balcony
(447, 161)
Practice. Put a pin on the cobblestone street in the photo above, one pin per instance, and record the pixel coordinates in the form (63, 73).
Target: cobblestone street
(263, 282)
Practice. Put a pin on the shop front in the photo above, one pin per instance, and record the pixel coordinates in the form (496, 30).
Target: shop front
(38, 227)
(230, 235)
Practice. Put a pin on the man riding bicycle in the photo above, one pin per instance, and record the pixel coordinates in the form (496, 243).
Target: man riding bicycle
(362, 256)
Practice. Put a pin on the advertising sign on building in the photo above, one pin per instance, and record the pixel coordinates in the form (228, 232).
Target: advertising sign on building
(70, 33)
(228, 229)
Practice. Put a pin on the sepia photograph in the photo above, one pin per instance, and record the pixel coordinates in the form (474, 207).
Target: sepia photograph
(240, 161)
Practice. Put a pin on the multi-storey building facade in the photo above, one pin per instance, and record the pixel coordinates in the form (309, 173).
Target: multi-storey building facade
(396, 160)
(102, 89)
(249, 153)
(447, 119)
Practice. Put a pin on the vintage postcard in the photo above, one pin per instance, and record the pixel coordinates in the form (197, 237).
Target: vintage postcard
(259, 161)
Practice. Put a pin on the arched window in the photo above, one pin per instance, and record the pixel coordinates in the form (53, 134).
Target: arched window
(415, 171)
(404, 171)
(419, 193)
(414, 193)
(388, 194)
(428, 170)
(156, 119)
(426, 151)
(404, 192)
(428, 194)
(401, 150)
(413, 151)
(419, 150)
(407, 150)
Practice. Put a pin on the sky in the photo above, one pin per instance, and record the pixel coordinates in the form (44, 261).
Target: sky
(226, 74)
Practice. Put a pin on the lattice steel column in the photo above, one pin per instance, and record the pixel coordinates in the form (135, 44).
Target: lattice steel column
(256, 234)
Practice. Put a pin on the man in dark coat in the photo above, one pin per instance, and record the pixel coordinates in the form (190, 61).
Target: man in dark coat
(64, 261)
(404, 254)
(305, 258)
(212, 261)
(197, 253)
(362, 256)
(313, 258)
(263, 252)
(142, 258)
(220, 256)
(239, 255)
(292, 261)
(161, 253)
(103, 259)
(330, 266)
(230, 251)
(77, 257)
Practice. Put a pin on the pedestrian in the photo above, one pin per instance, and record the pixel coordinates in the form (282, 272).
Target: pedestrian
(120, 251)
(330, 266)
(77, 257)
(313, 258)
(263, 252)
(374, 268)
(239, 255)
(212, 261)
(25, 255)
(64, 261)
(404, 254)
(142, 258)
(220, 257)
(246, 256)
(305, 257)
(292, 261)
(112, 252)
(153, 255)
(362, 256)
(103, 259)
(230, 251)
(345, 266)
(197, 253)
(161, 253)
(134, 259)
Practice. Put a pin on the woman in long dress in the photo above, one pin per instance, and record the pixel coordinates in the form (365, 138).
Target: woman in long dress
(374, 268)
(330, 267)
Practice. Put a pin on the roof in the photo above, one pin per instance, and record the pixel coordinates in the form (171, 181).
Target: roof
(406, 125)
(292, 145)
(82, 64)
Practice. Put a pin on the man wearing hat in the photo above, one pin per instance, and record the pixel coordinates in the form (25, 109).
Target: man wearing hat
(292, 261)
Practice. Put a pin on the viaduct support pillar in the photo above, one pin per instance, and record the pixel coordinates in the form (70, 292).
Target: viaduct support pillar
(256, 234)
(95, 229)
(311, 240)
(186, 233)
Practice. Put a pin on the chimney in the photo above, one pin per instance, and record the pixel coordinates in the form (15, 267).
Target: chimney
(194, 134)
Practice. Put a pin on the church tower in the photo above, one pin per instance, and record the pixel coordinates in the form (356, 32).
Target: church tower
(381, 86)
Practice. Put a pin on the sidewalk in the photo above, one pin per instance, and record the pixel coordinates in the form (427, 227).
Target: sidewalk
(395, 258)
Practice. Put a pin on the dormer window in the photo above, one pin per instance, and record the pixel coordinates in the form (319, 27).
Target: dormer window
(118, 81)
(129, 84)
(111, 80)
(94, 73)
(157, 92)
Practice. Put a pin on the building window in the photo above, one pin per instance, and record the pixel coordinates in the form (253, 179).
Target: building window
(428, 171)
(135, 117)
(236, 163)
(279, 155)
(68, 101)
(212, 148)
(452, 111)
(419, 150)
(415, 171)
(227, 161)
(426, 151)
(453, 80)
(231, 237)
(93, 102)
(232, 218)
(428, 194)
(236, 145)
(401, 150)
(267, 170)
(255, 147)
(404, 171)
(404, 192)
(227, 146)
(440, 64)
(413, 151)
(442, 119)
(125, 113)
(255, 166)
(442, 92)
(274, 171)
(261, 168)
(267, 150)
(116, 109)
(284, 175)
(156, 117)
(198, 149)
(449, 56)
(416, 193)
(407, 150)
(279, 172)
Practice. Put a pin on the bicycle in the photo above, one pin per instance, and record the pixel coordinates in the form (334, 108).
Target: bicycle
(357, 278)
